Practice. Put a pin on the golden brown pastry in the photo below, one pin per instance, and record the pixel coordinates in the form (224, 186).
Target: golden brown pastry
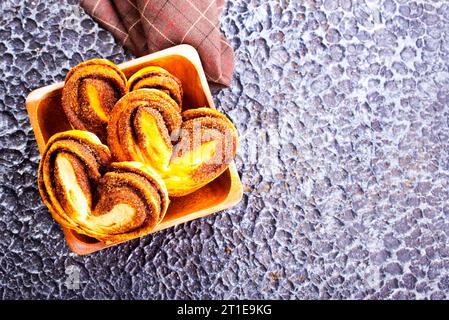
(85, 192)
(157, 78)
(145, 123)
(90, 92)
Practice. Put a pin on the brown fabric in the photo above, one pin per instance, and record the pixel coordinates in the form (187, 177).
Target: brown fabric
(146, 26)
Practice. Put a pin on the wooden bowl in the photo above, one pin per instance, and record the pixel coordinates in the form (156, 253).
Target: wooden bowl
(47, 118)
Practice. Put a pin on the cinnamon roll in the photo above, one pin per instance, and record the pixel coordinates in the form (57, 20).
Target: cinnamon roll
(157, 78)
(187, 149)
(84, 191)
(90, 92)
(148, 118)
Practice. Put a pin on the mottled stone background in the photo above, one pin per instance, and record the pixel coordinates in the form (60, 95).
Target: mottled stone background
(342, 107)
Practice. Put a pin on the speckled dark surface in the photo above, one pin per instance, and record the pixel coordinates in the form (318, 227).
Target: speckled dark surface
(342, 108)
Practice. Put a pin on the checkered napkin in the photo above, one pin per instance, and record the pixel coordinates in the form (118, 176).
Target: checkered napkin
(146, 26)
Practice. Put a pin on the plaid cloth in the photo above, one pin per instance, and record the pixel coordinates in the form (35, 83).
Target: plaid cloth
(146, 26)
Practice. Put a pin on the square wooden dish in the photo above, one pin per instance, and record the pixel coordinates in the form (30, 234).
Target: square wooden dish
(47, 118)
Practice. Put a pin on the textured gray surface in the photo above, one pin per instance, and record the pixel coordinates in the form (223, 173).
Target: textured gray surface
(342, 107)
